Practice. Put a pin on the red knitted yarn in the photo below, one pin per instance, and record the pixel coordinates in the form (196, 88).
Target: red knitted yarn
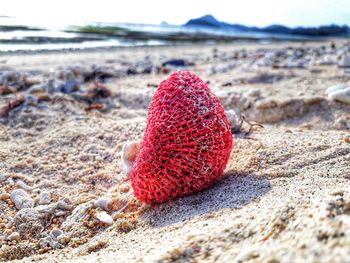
(186, 144)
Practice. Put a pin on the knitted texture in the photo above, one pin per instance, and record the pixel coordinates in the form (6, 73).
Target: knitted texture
(186, 144)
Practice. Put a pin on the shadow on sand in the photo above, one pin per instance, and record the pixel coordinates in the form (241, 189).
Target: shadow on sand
(232, 191)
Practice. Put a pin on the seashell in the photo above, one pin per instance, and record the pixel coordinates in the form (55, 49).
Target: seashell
(342, 95)
(104, 218)
(336, 87)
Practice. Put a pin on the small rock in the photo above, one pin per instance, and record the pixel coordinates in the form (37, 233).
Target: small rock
(340, 95)
(338, 192)
(78, 215)
(55, 233)
(4, 196)
(253, 93)
(104, 218)
(233, 119)
(21, 199)
(31, 100)
(23, 185)
(103, 203)
(221, 94)
(336, 88)
(28, 222)
(63, 239)
(65, 204)
(8, 232)
(15, 236)
(248, 254)
(49, 242)
(345, 61)
(3, 178)
(44, 198)
(175, 63)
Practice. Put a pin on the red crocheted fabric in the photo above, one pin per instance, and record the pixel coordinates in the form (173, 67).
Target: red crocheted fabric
(186, 144)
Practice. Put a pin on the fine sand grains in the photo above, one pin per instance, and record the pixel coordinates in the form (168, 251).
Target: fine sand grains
(285, 196)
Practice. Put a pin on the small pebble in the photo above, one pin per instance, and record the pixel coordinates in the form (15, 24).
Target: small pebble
(23, 185)
(233, 119)
(103, 203)
(21, 199)
(3, 178)
(65, 204)
(55, 233)
(63, 239)
(253, 93)
(4, 196)
(15, 236)
(44, 198)
(104, 218)
(8, 232)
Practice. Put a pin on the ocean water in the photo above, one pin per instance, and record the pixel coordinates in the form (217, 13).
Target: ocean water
(54, 36)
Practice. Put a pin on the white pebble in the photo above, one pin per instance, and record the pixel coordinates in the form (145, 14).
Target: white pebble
(340, 95)
(221, 94)
(345, 61)
(105, 218)
(21, 199)
(128, 155)
(253, 93)
(44, 198)
(15, 236)
(23, 185)
(232, 118)
(103, 203)
(336, 88)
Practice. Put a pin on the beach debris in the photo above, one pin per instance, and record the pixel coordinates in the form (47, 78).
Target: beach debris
(78, 215)
(344, 61)
(5, 196)
(21, 199)
(23, 185)
(187, 141)
(113, 204)
(232, 118)
(97, 90)
(175, 63)
(15, 236)
(44, 198)
(253, 93)
(10, 105)
(223, 68)
(48, 241)
(71, 82)
(103, 203)
(28, 222)
(55, 233)
(336, 88)
(4, 90)
(340, 93)
(105, 218)
(14, 81)
(127, 157)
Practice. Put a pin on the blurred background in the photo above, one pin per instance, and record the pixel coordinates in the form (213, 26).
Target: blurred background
(40, 24)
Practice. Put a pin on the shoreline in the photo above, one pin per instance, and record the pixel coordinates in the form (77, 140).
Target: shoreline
(238, 42)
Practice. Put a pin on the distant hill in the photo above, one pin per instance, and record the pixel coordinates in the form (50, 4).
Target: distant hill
(328, 30)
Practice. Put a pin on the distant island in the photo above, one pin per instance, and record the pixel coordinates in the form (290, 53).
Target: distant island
(322, 31)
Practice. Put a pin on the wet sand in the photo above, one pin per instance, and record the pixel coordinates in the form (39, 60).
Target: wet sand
(285, 195)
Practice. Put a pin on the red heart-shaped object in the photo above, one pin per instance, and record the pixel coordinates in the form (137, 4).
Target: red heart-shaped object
(186, 144)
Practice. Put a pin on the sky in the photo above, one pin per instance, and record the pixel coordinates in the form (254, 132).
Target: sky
(248, 12)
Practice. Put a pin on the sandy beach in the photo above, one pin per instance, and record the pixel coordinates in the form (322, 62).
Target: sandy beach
(285, 194)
